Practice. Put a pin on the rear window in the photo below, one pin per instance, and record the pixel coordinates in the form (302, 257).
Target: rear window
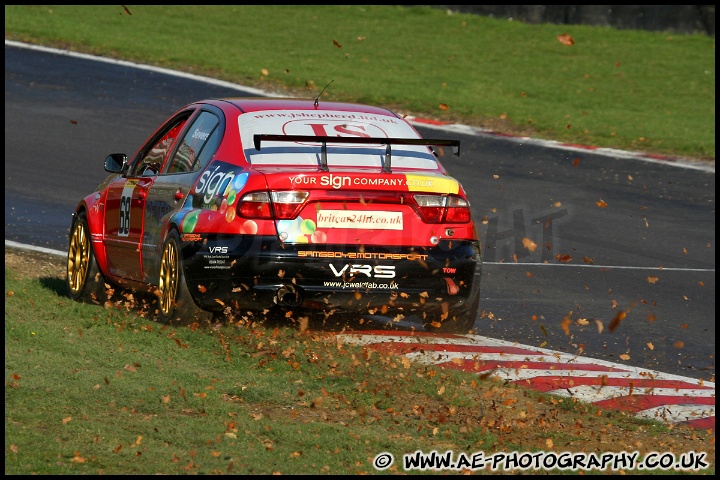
(331, 123)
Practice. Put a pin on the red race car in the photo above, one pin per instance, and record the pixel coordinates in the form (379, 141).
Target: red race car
(269, 204)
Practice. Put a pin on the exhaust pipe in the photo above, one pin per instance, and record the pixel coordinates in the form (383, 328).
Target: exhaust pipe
(288, 296)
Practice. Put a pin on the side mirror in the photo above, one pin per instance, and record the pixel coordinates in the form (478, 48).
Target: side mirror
(115, 162)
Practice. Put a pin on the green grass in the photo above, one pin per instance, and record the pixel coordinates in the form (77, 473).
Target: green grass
(627, 89)
(105, 390)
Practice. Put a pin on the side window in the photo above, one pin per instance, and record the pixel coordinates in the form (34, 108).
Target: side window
(151, 163)
(198, 146)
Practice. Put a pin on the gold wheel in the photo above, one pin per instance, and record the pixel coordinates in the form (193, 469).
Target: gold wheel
(78, 258)
(176, 304)
(168, 278)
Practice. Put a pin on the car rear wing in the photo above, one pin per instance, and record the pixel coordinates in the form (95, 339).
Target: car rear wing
(324, 140)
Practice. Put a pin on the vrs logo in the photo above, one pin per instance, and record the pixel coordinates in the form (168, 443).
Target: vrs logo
(378, 271)
(218, 249)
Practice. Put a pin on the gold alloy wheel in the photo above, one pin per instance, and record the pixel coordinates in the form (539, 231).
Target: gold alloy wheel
(78, 257)
(168, 277)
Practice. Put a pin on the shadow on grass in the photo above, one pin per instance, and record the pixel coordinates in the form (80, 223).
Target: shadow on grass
(54, 284)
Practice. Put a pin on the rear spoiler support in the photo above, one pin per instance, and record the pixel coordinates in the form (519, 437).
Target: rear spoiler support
(324, 140)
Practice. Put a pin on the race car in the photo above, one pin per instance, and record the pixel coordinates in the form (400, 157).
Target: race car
(277, 204)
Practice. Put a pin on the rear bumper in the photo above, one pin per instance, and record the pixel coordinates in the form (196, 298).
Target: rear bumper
(256, 272)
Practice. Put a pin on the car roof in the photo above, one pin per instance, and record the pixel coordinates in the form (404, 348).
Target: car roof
(255, 104)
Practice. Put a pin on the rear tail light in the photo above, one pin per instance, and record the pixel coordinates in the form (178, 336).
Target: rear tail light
(283, 205)
(288, 203)
(440, 208)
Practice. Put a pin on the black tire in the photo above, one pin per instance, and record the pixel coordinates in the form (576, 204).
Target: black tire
(175, 304)
(85, 281)
(460, 321)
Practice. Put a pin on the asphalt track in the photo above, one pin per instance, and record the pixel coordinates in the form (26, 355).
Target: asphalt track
(647, 392)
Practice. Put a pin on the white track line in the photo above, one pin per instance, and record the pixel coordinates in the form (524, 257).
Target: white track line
(591, 393)
(677, 413)
(22, 246)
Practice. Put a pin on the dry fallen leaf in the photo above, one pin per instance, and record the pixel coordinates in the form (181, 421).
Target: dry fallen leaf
(600, 326)
(652, 279)
(601, 203)
(625, 356)
(565, 39)
(304, 324)
(443, 106)
(529, 244)
(78, 458)
(565, 325)
(619, 316)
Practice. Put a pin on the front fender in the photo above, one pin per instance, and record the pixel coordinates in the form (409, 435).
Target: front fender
(94, 207)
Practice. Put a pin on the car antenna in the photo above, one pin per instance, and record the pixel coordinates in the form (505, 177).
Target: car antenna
(318, 97)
